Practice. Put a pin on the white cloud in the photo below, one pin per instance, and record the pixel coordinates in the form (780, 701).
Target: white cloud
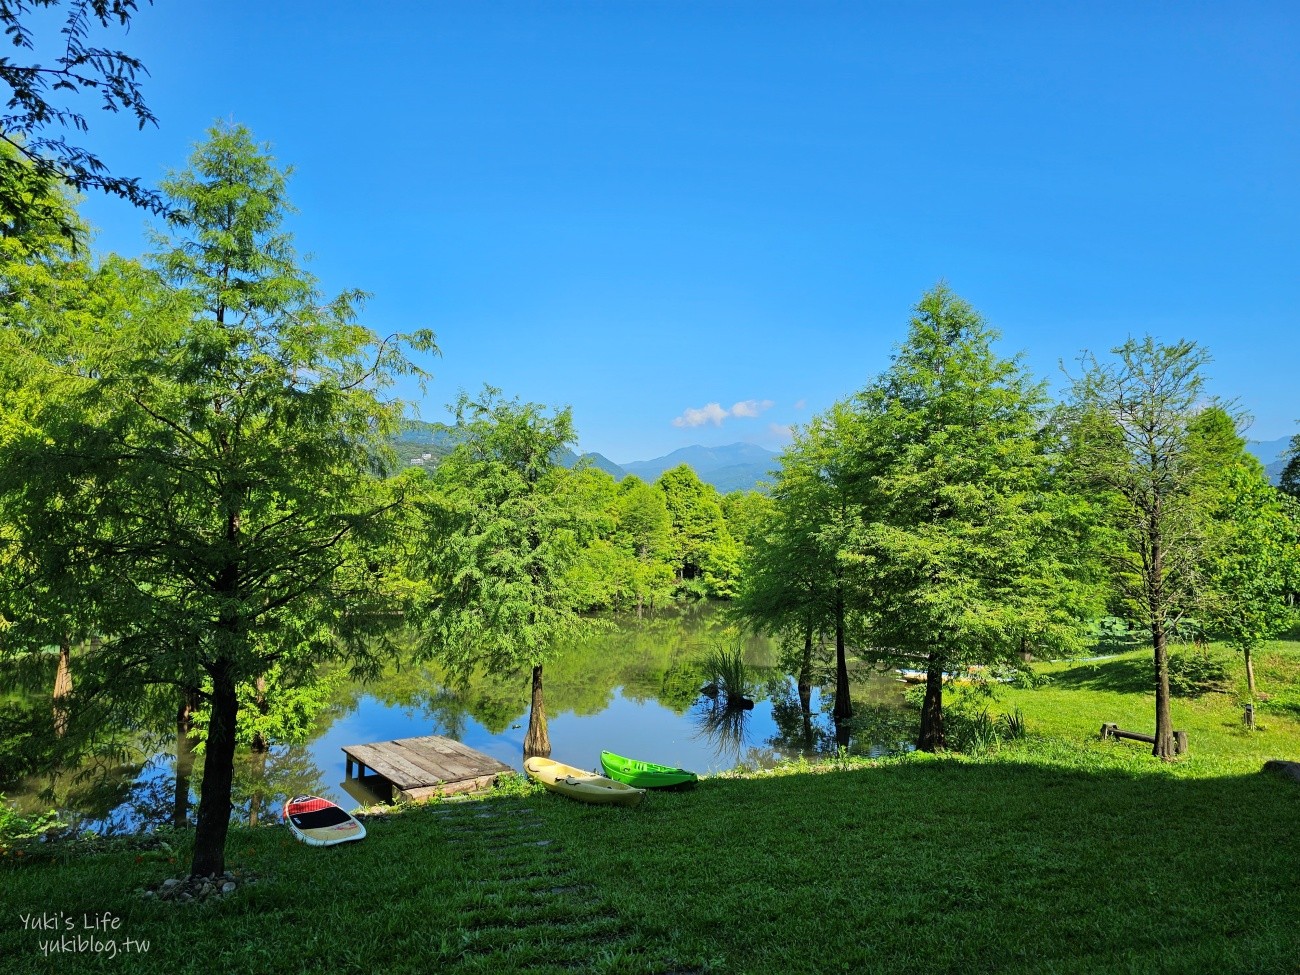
(781, 431)
(709, 413)
(800, 404)
(715, 413)
(751, 407)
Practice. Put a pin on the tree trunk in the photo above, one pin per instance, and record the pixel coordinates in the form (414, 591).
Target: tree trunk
(184, 756)
(931, 737)
(805, 689)
(260, 744)
(640, 594)
(843, 731)
(259, 789)
(537, 741)
(218, 772)
(1250, 676)
(184, 773)
(843, 704)
(62, 687)
(1164, 746)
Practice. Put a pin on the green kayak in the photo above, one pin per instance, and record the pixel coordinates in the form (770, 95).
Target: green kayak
(644, 775)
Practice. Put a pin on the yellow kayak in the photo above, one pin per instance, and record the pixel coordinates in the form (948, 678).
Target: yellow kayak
(580, 785)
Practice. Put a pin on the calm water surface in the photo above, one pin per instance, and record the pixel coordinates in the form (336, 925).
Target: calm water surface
(632, 689)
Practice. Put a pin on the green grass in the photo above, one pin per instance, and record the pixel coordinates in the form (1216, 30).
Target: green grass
(1058, 853)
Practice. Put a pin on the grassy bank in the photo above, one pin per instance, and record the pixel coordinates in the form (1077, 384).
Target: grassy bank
(1058, 853)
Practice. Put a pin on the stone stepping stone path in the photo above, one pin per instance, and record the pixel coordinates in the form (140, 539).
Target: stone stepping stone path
(524, 907)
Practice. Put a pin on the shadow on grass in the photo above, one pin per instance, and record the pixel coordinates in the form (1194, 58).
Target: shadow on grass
(1123, 676)
(955, 866)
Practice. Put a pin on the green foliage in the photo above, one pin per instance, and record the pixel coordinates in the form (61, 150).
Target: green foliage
(793, 582)
(507, 526)
(728, 672)
(1152, 453)
(1011, 725)
(71, 65)
(1194, 672)
(748, 515)
(1254, 556)
(1022, 677)
(1289, 481)
(700, 545)
(195, 473)
(16, 829)
(625, 563)
(960, 553)
(972, 732)
(285, 711)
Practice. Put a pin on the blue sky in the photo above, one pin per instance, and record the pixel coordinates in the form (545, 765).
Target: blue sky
(660, 212)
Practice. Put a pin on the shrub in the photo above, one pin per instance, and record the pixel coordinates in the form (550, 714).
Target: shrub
(883, 729)
(974, 733)
(726, 668)
(1195, 673)
(19, 830)
(1022, 678)
(1012, 726)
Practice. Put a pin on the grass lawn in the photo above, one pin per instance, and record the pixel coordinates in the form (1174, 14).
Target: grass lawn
(1058, 853)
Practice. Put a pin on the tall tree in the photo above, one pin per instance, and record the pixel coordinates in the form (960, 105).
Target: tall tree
(1137, 450)
(219, 459)
(959, 560)
(794, 581)
(1290, 479)
(1253, 541)
(507, 526)
(644, 530)
(701, 545)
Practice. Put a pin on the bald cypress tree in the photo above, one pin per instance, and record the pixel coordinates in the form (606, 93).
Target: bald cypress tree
(1141, 449)
(209, 471)
(506, 528)
(958, 556)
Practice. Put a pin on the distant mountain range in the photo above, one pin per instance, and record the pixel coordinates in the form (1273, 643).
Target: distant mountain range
(735, 467)
(1270, 454)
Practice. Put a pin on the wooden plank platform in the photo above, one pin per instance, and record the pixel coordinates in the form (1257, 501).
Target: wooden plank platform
(418, 768)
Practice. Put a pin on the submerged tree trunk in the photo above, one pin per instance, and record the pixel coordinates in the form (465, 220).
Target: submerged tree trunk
(537, 741)
(931, 736)
(218, 771)
(62, 687)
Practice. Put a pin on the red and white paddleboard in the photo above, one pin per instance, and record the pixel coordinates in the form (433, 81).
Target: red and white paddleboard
(319, 822)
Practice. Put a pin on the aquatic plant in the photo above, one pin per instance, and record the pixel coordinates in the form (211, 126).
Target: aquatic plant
(728, 673)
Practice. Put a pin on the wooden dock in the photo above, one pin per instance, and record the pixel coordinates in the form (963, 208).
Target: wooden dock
(418, 768)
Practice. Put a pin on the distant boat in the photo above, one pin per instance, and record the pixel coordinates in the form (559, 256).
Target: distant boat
(644, 775)
(972, 674)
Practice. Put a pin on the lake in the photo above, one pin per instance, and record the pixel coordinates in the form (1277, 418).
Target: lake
(633, 688)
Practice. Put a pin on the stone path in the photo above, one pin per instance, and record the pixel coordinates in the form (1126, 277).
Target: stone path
(525, 907)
